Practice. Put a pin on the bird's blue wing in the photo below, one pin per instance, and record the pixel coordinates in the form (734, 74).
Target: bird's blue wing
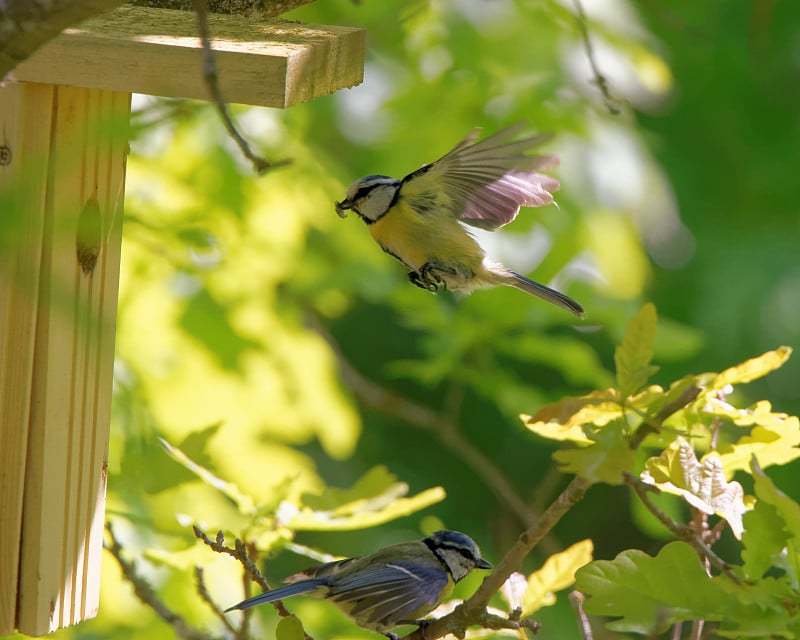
(385, 594)
(485, 182)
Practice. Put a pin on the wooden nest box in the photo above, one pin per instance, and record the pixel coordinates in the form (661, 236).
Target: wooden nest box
(63, 144)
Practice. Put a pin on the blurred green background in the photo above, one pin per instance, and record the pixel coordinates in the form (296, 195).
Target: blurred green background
(234, 287)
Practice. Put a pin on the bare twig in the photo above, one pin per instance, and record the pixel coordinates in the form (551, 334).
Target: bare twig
(599, 78)
(239, 552)
(252, 572)
(147, 595)
(679, 530)
(206, 596)
(576, 599)
(654, 425)
(210, 75)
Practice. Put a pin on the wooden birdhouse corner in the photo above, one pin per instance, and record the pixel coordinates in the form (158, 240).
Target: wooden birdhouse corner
(63, 145)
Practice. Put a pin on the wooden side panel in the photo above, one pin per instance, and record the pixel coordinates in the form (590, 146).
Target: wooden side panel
(25, 123)
(69, 390)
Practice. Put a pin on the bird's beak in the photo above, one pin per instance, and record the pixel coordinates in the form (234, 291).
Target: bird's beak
(343, 206)
(480, 563)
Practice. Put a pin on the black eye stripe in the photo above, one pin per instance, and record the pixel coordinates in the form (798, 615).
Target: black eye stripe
(366, 189)
(467, 553)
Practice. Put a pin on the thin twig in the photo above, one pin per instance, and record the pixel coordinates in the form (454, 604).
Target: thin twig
(654, 425)
(206, 596)
(212, 81)
(252, 572)
(679, 530)
(147, 595)
(576, 599)
(599, 78)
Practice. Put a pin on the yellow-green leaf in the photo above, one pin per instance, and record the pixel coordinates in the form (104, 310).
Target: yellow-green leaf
(633, 356)
(774, 440)
(289, 628)
(604, 460)
(702, 484)
(557, 573)
(754, 368)
(563, 420)
(244, 503)
(368, 514)
(377, 484)
(787, 508)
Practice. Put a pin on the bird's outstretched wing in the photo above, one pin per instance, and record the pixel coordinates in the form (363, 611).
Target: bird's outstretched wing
(487, 181)
(385, 594)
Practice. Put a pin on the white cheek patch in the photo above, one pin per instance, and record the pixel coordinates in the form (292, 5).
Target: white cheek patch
(377, 202)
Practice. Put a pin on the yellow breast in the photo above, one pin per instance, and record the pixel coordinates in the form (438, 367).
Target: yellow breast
(415, 239)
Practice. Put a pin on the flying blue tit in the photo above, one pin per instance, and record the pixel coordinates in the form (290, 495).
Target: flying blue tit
(420, 219)
(395, 585)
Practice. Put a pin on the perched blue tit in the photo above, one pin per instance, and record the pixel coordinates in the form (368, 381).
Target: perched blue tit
(395, 585)
(420, 219)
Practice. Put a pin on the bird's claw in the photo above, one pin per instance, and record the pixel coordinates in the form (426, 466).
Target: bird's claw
(426, 280)
(429, 276)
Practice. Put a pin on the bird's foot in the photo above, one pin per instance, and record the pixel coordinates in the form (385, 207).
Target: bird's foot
(420, 624)
(429, 276)
(417, 280)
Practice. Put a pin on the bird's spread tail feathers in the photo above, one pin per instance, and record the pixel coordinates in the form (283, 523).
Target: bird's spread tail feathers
(545, 293)
(303, 586)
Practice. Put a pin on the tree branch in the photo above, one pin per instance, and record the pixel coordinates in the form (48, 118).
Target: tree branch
(262, 9)
(473, 611)
(147, 595)
(25, 25)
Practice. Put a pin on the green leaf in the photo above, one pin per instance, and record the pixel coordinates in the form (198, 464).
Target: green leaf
(603, 461)
(753, 369)
(289, 628)
(651, 594)
(376, 498)
(376, 483)
(789, 511)
(764, 539)
(557, 573)
(243, 502)
(702, 484)
(766, 490)
(633, 356)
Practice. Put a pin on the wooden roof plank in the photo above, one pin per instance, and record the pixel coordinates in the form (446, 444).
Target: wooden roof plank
(277, 63)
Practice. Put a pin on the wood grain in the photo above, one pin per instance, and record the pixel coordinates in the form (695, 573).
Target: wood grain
(25, 117)
(70, 316)
(156, 51)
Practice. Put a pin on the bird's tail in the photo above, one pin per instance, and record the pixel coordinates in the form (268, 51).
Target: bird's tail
(296, 588)
(545, 293)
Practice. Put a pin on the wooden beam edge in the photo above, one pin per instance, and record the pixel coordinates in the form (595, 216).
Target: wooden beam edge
(156, 51)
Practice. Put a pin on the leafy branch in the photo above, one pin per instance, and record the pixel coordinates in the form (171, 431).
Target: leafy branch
(605, 428)
(440, 424)
(146, 594)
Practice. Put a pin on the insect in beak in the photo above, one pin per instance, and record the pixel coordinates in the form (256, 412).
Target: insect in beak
(341, 207)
